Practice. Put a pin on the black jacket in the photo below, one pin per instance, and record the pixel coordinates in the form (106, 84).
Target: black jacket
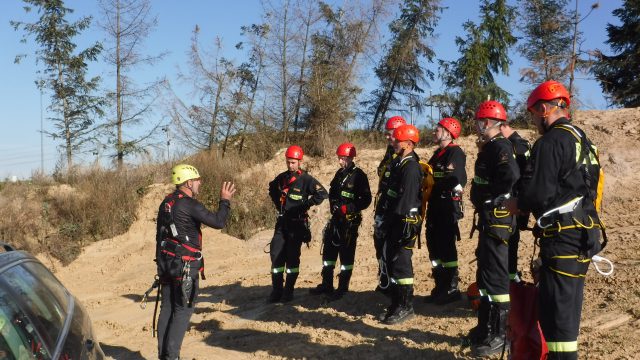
(522, 151)
(350, 187)
(294, 193)
(550, 178)
(188, 214)
(496, 171)
(448, 166)
(383, 169)
(403, 193)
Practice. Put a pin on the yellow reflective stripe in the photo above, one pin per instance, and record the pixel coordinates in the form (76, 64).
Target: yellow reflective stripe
(438, 174)
(450, 264)
(293, 270)
(436, 262)
(586, 260)
(504, 298)
(479, 180)
(346, 267)
(328, 263)
(566, 273)
(407, 281)
(277, 270)
(347, 194)
(392, 193)
(295, 197)
(563, 346)
(483, 292)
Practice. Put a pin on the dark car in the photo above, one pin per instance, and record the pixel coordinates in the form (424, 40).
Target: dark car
(39, 318)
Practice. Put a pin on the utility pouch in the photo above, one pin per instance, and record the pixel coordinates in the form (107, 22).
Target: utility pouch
(305, 235)
(574, 266)
(410, 230)
(458, 207)
(379, 227)
(498, 223)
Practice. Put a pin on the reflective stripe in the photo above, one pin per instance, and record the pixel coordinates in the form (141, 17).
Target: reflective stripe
(450, 264)
(438, 174)
(328, 263)
(347, 194)
(499, 298)
(295, 197)
(483, 292)
(563, 346)
(514, 276)
(392, 193)
(479, 180)
(293, 271)
(346, 267)
(436, 263)
(277, 270)
(407, 281)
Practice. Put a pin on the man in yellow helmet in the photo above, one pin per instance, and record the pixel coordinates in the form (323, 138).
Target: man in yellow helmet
(178, 253)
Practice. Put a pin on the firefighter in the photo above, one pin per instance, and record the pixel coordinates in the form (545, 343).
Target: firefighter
(445, 210)
(400, 223)
(349, 194)
(496, 171)
(293, 192)
(384, 172)
(522, 151)
(559, 187)
(178, 253)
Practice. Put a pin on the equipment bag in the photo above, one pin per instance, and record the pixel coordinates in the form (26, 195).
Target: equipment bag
(527, 341)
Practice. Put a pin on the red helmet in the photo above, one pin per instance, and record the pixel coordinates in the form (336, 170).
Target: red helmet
(491, 109)
(294, 152)
(549, 90)
(407, 132)
(452, 125)
(346, 149)
(394, 122)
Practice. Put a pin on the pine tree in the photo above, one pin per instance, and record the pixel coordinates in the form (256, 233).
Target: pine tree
(484, 52)
(618, 74)
(399, 72)
(64, 73)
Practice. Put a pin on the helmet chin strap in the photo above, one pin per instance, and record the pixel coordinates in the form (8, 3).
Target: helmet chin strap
(483, 131)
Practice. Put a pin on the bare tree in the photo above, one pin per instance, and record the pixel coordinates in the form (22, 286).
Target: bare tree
(127, 24)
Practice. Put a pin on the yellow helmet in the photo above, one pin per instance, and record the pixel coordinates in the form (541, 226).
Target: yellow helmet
(183, 172)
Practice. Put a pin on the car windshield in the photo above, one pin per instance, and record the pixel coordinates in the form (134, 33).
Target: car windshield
(43, 307)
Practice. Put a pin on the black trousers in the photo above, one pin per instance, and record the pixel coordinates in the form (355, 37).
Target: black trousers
(561, 295)
(175, 310)
(286, 244)
(340, 241)
(441, 232)
(397, 256)
(492, 275)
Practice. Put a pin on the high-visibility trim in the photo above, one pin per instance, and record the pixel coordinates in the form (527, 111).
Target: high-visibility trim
(450, 264)
(479, 180)
(503, 298)
(328, 263)
(392, 193)
(295, 197)
(514, 276)
(436, 262)
(407, 281)
(566, 273)
(293, 270)
(346, 267)
(438, 174)
(277, 270)
(347, 194)
(563, 346)
(483, 292)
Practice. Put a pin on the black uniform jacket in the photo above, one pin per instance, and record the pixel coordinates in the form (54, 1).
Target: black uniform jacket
(448, 166)
(350, 187)
(496, 171)
(403, 193)
(553, 157)
(383, 169)
(187, 214)
(522, 151)
(293, 193)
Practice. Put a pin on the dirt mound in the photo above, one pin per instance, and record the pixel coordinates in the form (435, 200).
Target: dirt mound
(232, 319)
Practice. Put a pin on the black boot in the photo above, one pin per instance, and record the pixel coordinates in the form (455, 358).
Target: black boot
(481, 331)
(496, 342)
(326, 287)
(404, 311)
(437, 273)
(276, 284)
(395, 301)
(287, 295)
(451, 292)
(343, 285)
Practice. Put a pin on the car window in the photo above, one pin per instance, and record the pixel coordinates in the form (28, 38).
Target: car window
(18, 338)
(41, 305)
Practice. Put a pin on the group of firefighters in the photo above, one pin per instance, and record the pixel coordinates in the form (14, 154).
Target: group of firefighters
(511, 180)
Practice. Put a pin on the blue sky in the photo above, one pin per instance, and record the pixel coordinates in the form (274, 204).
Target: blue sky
(20, 99)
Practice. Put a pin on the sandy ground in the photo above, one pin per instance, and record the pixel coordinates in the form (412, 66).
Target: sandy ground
(233, 321)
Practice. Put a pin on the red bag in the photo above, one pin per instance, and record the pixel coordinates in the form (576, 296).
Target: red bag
(527, 341)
